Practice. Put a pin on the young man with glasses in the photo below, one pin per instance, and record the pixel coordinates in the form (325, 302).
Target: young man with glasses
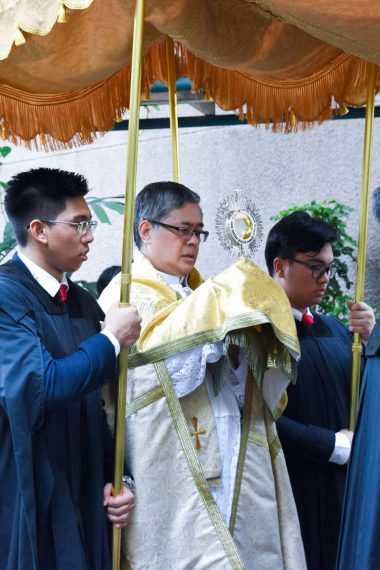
(314, 428)
(212, 487)
(56, 453)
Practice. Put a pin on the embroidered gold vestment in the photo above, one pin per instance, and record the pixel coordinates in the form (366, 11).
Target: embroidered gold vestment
(171, 446)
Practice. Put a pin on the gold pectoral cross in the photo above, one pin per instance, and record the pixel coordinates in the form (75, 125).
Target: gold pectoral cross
(197, 432)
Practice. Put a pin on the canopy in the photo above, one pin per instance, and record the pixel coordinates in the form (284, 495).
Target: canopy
(285, 62)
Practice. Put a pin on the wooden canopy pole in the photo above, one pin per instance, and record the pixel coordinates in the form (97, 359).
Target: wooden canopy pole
(130, 191)
(362, 239)
(173, 107)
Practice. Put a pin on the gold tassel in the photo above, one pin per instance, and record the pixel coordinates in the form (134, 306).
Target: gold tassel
(118, 116)
(19, 37)
(62, 14)
(4, 134)
(293, 119)
(343, 110)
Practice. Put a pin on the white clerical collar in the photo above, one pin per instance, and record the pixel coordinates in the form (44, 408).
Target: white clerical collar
(298, 314)
(178, 284)
(173, 279)
(45, 279)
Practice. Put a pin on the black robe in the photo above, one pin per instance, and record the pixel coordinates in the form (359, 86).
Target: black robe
(318, 407)
(359, 547)
(54, 441)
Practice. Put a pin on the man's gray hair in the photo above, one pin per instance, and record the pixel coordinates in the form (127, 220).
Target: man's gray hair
(376, 203)
(157, 200)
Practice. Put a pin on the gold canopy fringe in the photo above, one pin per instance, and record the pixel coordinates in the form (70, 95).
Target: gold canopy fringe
(284, 105)
(55, 122)
(70, 119)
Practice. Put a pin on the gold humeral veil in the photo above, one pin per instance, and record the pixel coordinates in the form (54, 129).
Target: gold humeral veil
(171, 443)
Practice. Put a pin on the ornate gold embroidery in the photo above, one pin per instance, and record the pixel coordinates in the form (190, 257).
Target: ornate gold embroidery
(274, 447)
(145, 400)
(197, 432)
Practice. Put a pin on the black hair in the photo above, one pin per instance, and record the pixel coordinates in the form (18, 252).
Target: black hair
(40, 193)
(157, 200)
(297, 233)
(106, 276)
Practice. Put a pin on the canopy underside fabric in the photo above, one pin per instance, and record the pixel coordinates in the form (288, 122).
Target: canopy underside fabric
(284, 62)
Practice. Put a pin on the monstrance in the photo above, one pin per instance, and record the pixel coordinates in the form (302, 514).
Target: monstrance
(238, 225)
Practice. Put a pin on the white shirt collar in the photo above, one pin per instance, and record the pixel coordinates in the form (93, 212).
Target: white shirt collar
(298, 314)
(45, 279)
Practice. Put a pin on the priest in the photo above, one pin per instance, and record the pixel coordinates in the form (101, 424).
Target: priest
(206, 382)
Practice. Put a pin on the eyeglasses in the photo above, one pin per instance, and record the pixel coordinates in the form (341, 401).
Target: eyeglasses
(185, 233)
(82, 227)
(317, 270)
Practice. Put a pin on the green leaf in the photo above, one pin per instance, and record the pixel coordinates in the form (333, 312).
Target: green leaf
(116, 206)
(95, 199)
(8, 234)
(9, 241)
(100, 213)
(5, 150)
